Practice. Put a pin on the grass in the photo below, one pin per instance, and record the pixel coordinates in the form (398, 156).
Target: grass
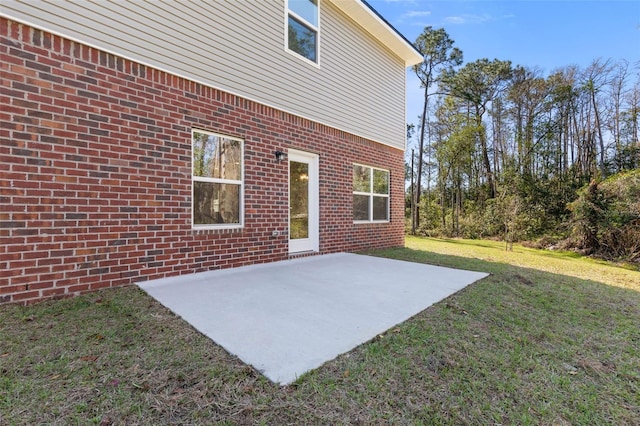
(547, 338)
(558, 262)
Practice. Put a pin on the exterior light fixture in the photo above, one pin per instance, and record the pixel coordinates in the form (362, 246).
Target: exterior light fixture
(280, 155)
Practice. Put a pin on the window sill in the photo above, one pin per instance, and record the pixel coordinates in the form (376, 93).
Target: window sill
(302, 58)
(217, 228)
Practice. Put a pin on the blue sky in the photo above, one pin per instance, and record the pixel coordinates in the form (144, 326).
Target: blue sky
(534, 33)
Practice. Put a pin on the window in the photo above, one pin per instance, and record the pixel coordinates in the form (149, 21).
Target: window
(370, 194)
(302, 28)
(216, 180)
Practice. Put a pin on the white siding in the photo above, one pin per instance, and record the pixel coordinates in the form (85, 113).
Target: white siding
(238, 46)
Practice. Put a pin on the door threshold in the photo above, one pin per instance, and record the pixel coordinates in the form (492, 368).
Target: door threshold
(303, 254)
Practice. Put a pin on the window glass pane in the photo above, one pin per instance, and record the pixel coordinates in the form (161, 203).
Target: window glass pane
(216, 157)
(306, 9)
(380, 208)
(298, 200)
(215, 203)
(361, 179)
(302, 39)
(380, 181)
(360, 207)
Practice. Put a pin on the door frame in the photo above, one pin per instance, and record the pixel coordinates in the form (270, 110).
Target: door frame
(312, 243)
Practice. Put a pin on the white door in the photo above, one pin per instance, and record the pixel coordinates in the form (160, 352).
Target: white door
(303, 202)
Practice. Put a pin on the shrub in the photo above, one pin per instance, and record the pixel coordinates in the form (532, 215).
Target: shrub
(606, 217)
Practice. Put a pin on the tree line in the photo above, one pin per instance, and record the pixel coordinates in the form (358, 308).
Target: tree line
(503, 151)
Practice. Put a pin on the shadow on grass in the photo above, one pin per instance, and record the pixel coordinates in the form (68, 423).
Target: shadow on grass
(478, 265)
(477, 243)
(437, 259)
(554, 254)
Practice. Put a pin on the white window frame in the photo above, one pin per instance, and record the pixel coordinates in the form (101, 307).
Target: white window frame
(372, 194)
(240, 182)
(287, 13)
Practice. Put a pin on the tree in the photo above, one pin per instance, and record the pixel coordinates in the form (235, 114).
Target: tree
(597, 76)
(479, 83)
(528, 94)
(439, 56)
(455, 151)
(513, 147)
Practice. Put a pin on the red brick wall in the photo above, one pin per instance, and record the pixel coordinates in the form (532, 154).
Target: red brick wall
(95, 173)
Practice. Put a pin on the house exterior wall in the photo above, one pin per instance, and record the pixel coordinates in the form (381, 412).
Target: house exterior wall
(239, 47)
(95, 172)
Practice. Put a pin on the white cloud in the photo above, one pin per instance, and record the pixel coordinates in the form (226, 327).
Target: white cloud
(412, 17)
(468, 19)
(416, 14)
(454, 20)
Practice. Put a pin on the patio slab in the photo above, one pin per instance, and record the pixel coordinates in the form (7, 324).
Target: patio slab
(286, 318)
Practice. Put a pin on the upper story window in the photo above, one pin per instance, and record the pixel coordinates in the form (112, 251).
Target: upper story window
(217, 180)
(302, 28)
(370, 194)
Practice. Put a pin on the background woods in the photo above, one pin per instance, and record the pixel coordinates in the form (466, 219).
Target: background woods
(504, 151)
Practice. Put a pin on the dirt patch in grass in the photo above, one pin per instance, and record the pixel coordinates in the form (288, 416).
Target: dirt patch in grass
(523, 346)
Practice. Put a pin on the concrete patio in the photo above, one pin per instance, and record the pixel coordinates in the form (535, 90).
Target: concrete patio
(286, 318)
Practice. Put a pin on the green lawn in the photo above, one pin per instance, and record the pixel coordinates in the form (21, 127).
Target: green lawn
(547, 338)
(559, 262)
